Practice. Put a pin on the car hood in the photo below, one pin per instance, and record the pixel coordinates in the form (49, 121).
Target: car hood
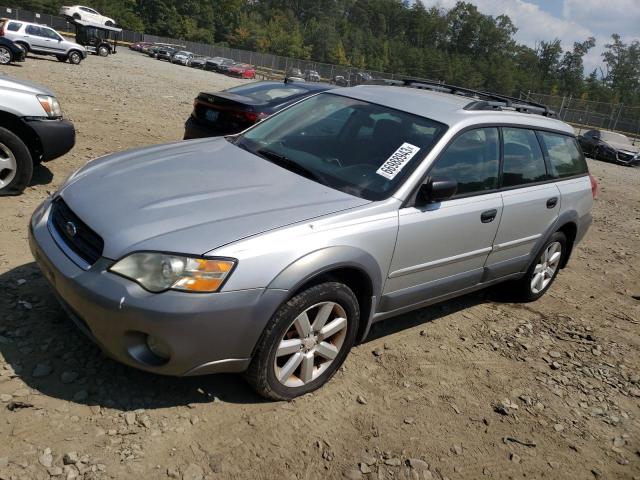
(7, 83)
(625, 147)
(192, 197)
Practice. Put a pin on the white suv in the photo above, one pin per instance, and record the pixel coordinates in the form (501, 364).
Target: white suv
(42, 40)
(78, 12)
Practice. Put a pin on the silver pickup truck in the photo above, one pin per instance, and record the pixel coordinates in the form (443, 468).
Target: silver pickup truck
(32, 130)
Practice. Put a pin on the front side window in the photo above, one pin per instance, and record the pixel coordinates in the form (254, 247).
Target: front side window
(523, 159)
(564, 155)
(472, 160)
(320, 138)
(48, 33)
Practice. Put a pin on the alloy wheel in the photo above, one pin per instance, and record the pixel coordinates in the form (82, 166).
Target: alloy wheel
(8, 166)
(5, 56)
(310, 344)
(546, 267)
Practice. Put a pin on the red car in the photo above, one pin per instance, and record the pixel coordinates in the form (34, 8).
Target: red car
(139, 46)
(243, 70)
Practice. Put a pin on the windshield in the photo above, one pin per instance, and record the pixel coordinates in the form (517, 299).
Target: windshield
(360, 148)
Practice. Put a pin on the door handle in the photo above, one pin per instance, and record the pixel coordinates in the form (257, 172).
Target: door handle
(552, 202)
(488, 216)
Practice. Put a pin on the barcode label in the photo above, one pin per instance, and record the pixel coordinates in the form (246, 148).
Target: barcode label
(397, 161)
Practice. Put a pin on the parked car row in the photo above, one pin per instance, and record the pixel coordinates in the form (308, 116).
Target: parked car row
(177, 55)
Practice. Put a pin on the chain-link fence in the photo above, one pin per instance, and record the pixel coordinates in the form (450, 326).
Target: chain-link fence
(590, 114)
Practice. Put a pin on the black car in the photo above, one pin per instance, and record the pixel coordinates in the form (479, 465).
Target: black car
(225, 65)
(10, 52)
(213, 63)
(198, 62)
(235, 109)
(610, 147)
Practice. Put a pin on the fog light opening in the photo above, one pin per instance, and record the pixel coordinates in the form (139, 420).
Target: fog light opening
(159, 348)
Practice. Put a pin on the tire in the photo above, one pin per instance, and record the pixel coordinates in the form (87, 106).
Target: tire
(24, 47)
(524, 289)
(76, 16)
(282, 377)
(103, 51)
(16, 165)
(109, 24)
(5, 55)
(74, 57)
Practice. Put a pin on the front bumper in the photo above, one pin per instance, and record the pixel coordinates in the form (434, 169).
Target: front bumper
(57, 137)
(205, 333)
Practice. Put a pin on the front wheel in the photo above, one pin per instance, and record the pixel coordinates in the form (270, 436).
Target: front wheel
(544, 270)
(103, 51)
(16, 165)
(305, 342)
(74, 58)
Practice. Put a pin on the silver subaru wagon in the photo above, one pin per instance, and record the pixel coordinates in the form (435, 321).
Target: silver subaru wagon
(272, 252)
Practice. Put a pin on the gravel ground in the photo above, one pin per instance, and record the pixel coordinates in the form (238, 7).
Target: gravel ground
(473, 388)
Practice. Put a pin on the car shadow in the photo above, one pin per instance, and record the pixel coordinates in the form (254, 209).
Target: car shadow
(41, 175)
(43, 348)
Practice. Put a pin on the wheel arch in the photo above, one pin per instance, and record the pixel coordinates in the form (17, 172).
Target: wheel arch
(24, 132)
(354, 267)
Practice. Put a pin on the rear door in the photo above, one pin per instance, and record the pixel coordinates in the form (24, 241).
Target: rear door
(442, 247)
(37, 39)
(531, 202)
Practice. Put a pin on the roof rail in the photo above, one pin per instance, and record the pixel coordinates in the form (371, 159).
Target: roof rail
(481, 100)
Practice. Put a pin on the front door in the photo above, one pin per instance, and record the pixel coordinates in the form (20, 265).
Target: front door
(442, 247)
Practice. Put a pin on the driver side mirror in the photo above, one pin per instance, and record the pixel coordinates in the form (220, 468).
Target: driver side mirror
(437, 189)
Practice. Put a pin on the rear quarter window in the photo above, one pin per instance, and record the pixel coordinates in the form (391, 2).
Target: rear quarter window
(565, 158)
(14, 26)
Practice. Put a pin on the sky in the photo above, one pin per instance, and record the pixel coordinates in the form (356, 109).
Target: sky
(569, 20)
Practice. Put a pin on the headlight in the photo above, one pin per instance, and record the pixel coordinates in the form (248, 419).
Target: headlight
(50, 105)
(158, 272)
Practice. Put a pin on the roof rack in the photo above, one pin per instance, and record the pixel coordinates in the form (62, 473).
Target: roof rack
(480, 100)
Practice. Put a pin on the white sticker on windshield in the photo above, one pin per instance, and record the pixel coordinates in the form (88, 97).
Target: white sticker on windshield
(397, 161)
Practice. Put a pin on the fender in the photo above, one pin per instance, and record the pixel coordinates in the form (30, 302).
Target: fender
(325, 260)
(569, 216)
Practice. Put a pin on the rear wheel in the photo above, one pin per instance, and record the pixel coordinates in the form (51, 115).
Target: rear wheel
(544, 270)
(109, 24)
(16, 165)
(74, 57)
(5, 55)
(305, 342)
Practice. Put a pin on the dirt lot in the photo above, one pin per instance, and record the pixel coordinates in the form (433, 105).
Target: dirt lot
(473, 388)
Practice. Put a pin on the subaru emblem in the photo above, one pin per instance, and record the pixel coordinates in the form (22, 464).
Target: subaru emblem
(71, 229)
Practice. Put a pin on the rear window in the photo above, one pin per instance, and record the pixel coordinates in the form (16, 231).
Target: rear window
(564, 155)
(266, 93)
(14, 26)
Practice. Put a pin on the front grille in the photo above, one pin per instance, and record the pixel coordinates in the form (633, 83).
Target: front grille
(85, 243)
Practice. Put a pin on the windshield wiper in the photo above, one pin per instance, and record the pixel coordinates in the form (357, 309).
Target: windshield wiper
(289, 164)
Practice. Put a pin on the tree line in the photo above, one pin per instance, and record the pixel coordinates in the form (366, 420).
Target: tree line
(461, 46)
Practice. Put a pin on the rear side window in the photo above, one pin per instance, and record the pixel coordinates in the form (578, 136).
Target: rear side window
(14, 26)
(564, 155)
(472, 160)
(523, 159)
